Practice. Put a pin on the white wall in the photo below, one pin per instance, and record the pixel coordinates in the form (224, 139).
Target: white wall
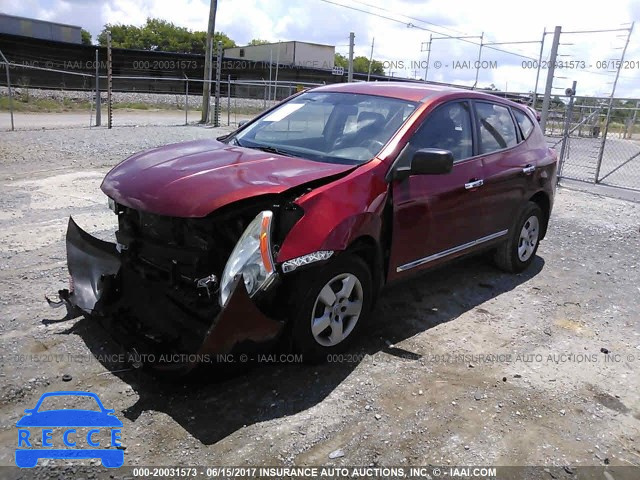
(260, 53)
(300, 54)
(314, 56)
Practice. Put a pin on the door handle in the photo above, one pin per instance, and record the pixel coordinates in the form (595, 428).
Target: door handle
(529, 169)
(474, 184)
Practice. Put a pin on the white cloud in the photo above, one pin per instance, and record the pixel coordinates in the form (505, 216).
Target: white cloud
(396, 43)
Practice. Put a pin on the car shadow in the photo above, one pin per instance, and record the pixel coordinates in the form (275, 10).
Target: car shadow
(213, 409)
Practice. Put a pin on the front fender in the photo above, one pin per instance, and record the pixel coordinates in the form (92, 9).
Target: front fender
(338, 213)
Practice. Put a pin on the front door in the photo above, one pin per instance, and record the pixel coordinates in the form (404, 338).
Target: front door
(438, 216)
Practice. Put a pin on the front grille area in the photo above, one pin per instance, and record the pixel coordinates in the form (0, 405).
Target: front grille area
(162, 259)
(185, 249)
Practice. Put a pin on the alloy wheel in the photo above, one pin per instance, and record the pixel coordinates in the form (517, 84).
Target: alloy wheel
(528, 238)
(337, 309)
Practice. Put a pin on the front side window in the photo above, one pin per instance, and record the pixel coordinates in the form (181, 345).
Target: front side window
(497, 130)
(448, 128)
(328, 126)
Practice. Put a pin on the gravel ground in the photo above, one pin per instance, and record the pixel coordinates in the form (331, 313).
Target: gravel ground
(464, 365)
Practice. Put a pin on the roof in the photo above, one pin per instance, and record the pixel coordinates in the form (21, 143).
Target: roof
(414, 92)
(283, 42)
(37, 20)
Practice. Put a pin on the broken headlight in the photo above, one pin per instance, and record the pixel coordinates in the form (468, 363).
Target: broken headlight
(250, 258)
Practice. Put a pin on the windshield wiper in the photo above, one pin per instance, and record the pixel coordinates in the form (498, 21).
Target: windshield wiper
(270, 149)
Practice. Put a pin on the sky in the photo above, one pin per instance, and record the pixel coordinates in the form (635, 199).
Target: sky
(401, 37)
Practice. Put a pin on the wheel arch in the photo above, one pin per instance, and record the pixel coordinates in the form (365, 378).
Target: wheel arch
(369, 250)
(543, 201)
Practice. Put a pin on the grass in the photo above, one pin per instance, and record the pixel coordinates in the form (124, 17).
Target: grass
(30, 104)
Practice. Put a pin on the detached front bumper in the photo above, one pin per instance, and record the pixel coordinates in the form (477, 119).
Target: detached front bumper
(97, 291)
(93, 267)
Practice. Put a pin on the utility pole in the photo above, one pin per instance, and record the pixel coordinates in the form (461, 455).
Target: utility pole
(370, 58)
(426, 68)
(206, 86)
(550, 72)
(478, 64)
(109, 80)
(352, 37)
(535, 89)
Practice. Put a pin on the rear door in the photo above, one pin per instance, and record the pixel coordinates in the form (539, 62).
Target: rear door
(438, 216)
(509, 166)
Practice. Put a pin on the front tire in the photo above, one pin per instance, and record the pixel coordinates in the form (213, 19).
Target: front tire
(517, 253)
(335, 302)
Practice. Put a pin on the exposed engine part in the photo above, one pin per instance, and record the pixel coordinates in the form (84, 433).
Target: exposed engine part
(210, 284)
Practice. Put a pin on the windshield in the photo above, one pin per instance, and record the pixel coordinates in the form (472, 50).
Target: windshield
(328, 126)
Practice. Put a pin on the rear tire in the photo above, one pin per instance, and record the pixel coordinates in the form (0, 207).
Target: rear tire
(334, 303)
(517, 253)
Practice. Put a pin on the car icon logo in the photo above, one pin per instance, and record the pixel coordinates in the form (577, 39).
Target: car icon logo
(68, 420)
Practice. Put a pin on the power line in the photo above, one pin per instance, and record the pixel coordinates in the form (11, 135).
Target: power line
(409, 17)
(411, 25)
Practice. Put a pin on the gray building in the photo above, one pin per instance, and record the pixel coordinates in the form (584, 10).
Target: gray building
(299, 54)
(30, 27)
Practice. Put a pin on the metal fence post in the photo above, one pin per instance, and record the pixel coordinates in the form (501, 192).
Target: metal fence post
(228, 100)
(186, 100)
(98, 102)
(216, 120)
(6, 64)
(109, 81)
(565, 132)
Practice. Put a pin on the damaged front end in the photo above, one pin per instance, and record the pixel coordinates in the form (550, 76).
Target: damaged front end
(178, 292)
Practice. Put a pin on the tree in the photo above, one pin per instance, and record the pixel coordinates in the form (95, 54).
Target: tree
(361, 64)
(160, 35)
(340, 61)
(257, 41)
(222, 37)
(86, 37)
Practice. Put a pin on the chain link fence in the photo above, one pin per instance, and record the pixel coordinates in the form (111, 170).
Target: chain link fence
(601, 143)
(70, 99)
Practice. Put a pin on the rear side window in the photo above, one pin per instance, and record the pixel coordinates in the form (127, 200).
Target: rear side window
(526, 125)
(497, 130)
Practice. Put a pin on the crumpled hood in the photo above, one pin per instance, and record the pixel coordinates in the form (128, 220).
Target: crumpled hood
(193, 179)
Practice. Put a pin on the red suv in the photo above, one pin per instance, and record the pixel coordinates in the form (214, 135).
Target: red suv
(291, 225)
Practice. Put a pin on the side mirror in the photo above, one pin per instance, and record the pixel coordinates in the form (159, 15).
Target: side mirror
(241, 123)
(431, 161)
